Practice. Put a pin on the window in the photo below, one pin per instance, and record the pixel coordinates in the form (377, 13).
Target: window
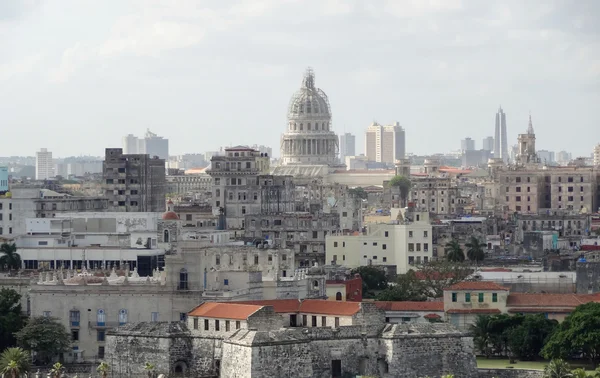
(217, 260)
(304, 320)
(374, 244)
(195, 323)
(518, 189)
(255, 259)
(386, 234)
(217, 325)
(411, 260)
(315, 234)
(467, 297)
(494, 297)
(74, 318)
(410, 234)
(206, 324)
(101, 317)
(374, 257)
(101, 336)
(237, 324)
(480, 297)
(454, 297)
(384, 259)
(411, 247)
(154, 317)
(183, 279)
(405, 319)
(335, 244)
(383, 246)
(337, 321)
(122, 316)
(425, 234)
(100, 352)
(426, 247)
(418, 247)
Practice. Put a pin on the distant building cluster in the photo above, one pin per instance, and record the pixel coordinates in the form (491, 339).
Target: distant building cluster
(151, 144)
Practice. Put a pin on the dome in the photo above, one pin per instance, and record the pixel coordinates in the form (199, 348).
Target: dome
(309, 101)
(170, 215)
(169, 202)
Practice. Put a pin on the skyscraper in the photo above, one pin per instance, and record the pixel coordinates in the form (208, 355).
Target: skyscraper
(347, 146)
(130, 144)
(488, 144)
(385, 144)
(597, 155)
(467, 144)
(500, 139)
(151, 144)
(44, 165)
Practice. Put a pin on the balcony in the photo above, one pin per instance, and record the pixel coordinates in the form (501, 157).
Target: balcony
(104, 325)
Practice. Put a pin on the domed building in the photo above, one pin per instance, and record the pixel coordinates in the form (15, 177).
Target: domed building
(309, 139)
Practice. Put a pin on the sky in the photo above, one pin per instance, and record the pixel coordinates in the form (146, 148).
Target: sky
(78, 75)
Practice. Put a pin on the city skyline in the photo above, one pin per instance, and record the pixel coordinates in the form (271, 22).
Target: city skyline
(198, 76)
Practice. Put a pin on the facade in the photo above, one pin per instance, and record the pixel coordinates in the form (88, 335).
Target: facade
(467, 144)
(348, 146)
(488, 144)
(412, 312)
(309, 138)
(3, 180)
(527, 154)
(151, 145)
(133, 183)
(44, 165)
(439, 195)
(402, 245)
(597, 155)
(184, 184)
(385, 144)
(247, 340)
(500, 138)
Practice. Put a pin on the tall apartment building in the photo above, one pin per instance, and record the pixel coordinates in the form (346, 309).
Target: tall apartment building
(44, 165)
(385, 144)
(151, 144)
(546, 157)
(133, 182)
(488, 144)
(467, 144)
(563, 157)
(347, 146)
(597, 155)
(500, 139)
(3, 180)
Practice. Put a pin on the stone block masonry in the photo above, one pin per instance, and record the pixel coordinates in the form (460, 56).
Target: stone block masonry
(510, 373)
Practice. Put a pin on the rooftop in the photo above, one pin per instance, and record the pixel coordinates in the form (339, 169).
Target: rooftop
(550, 300)
(410, 306)
(225, 310)
(476, 285)
(309, 306)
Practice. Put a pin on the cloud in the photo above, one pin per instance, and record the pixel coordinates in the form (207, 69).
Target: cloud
(21, 66)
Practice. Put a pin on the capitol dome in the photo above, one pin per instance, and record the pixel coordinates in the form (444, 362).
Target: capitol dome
(309, 139)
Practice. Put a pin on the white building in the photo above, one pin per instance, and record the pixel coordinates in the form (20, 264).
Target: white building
(44, 165)
(405, 244)
(597, 155)
(385, 144)
(347, 146)
(151, 144)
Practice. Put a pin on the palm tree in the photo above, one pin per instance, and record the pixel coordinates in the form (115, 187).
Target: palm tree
(10, 256)
(481, 334)
(149, 369)
(103, 369)
(57, 370)
(455, 252)
(403, 184)
(14, 361)
(475, 250)
(557, 369)
(579, 373)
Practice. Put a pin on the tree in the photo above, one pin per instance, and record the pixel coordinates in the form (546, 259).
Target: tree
(475, 250)
(557, 369)
(435, 276)
(57, 370)
(373, 279)
(406, 288)
(578, 334)
(403, 184)
(455, 252)
(150, 369)
(11, 318)
(358, 192)
(14, 361)
(103, 369)
(46, 337)
(481, 332)
(10, 258)
(527, 339)
(579, 373)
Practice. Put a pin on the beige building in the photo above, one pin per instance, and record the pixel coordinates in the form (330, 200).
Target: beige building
(597, 155)
(464, 301)
(404, 244)
(385, 144)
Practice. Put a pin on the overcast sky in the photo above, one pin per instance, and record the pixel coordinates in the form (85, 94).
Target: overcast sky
(77, 75)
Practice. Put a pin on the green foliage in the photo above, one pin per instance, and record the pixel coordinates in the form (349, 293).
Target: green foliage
(358, 192)
(557, 369)
(14, 361)
(11, 318)
(150, 369)
(57, 370)
(373, 279)
(455, 252)
(10, 259)
(579, 373)
(527, 339)
(406, 288)
(578, 334)
(103, 369)
(475, 249)
(46, 337)
(403, 184)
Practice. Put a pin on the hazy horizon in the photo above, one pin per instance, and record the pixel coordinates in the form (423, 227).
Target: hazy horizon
(77, 76)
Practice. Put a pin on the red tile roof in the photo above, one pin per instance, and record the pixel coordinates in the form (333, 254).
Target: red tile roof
(550, 300)
(432, 316)
(224, 310)
(473, 311)
(541, 310)
(410, 306)
(317, 306)
(279, 305)
(476, 285)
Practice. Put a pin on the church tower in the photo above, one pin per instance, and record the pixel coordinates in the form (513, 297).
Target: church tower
(527, 153)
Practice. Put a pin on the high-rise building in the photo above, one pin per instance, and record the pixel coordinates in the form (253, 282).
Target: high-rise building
(500, 139)
(597, 155)
(467, 144)
(488, 144)
(563, 157)
(546, 157)
(133, 182)
(3, 180)
(347, 146)
(151, 144)
(44, 165)
(385, 144)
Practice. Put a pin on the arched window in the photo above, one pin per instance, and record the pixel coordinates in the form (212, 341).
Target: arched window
(315, 284)
(338, 296)
(183, 279)
(101, 317)
(122, 316)
(166, 236)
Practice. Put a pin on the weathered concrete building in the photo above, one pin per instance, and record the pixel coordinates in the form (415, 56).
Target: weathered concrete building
(247, 340)
(133, 182)
(184, 184)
